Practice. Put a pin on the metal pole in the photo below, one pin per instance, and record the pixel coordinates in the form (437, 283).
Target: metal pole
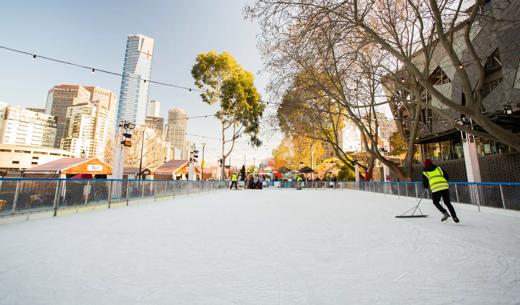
(127, 183)
(456, 193)
(110, 192)
(16, 195)
(56, 197)
(141, 158)
(202, 167)
(87, 192)
(502, 196)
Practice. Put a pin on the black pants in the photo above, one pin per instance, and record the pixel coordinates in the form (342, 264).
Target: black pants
(235, 184)
(445, 194)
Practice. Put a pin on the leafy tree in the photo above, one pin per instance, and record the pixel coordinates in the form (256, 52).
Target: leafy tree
(397, 144)
(223, 81)
(295, 151)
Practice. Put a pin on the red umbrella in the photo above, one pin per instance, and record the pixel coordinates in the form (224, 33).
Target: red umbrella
(82, 176)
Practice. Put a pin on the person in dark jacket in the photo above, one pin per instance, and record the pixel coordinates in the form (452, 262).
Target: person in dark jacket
(436, 179)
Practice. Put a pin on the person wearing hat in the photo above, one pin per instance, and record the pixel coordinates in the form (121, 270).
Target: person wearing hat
(436, 180)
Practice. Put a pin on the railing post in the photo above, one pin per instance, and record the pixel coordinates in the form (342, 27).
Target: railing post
(86, 190)
(16, 195)
(110, 185)
(398, 190)
(502, 196)
(416, 191)
(56, 197)
(127, 183)
(154, 185)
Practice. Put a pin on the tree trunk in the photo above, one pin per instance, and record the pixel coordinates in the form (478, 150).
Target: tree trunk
(223, 172)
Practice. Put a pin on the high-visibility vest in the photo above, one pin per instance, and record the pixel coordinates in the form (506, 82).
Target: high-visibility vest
(436, 180)
(234, 178)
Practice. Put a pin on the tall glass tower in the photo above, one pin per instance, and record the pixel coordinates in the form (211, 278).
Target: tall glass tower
(137, 69)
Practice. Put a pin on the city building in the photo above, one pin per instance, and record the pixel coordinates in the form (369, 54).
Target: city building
(465, 156)
(85, 118)
(155, 123)
(15, 158)
(153, 109)
(88, 129)
(25, 127)
(176, 131)
(135, 83)
(61, 97)
(40, 110)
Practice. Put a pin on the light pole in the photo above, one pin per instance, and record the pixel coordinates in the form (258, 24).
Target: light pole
(202, 167)
(141, 158)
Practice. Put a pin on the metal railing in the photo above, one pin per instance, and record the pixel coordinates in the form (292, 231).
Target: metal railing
(504, 195)
(28, 195)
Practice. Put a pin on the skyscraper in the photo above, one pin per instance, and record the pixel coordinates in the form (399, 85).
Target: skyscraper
(133, 98)
(154, 108)
(176, 131)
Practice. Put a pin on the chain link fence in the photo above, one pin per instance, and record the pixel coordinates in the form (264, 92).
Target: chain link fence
(25, 195)
(504, 195)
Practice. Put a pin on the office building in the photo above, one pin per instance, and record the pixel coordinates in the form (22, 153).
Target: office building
(176, 131)
(61, 97)
(137, 70)
(24, 127)
(153, 109)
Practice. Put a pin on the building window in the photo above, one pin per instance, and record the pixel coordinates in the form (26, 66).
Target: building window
(493, 73)
(16, 162)
(439, 77)
(34, 163)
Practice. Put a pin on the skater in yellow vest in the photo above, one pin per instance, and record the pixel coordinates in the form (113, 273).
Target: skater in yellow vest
(234, 179)
(299, 182)
(436, 180)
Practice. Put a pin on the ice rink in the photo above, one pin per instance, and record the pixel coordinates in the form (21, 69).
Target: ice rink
(263, 247)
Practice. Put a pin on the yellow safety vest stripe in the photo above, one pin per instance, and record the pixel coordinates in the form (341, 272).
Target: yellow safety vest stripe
(436, 180)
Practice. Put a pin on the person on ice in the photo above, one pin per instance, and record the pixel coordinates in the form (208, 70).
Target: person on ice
(299, 182)
(234, 179)
(436, 180)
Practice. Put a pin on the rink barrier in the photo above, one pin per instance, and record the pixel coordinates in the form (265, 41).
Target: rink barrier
(505, 195)
(59, 196)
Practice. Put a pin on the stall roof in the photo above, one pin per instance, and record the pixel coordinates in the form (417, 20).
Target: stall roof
(170, 167)
(74, 166)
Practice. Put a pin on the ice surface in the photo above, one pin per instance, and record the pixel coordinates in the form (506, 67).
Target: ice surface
(263, 247)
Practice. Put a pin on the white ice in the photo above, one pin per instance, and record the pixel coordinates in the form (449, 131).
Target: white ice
(263, 247)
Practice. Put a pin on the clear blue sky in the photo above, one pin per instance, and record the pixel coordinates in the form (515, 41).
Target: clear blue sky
(94, 33)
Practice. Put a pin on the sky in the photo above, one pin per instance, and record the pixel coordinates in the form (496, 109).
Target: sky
(94, 33)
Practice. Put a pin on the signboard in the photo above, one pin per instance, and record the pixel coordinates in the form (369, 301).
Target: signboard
(94, 168)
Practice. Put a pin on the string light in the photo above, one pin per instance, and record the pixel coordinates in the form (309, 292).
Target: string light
(93, 71)
(56, 60)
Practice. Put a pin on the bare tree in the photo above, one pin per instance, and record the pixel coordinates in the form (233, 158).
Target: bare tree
(413, 32)
(153, 151)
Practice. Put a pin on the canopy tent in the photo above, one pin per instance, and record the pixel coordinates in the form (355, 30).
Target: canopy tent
(284, 170)
(306, 170)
